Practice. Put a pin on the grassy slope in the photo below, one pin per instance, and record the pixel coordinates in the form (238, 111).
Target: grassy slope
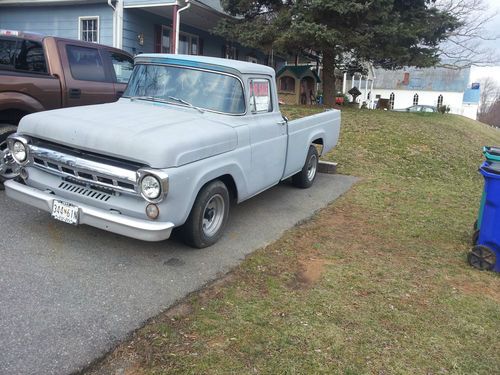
(375, 283)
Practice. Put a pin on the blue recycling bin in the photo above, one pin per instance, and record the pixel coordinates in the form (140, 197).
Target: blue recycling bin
(485, 255)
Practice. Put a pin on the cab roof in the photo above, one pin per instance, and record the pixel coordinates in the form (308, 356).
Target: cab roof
(211, 63)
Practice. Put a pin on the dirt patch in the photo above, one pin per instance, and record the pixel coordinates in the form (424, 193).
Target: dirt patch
(310, 272)
(479, 289)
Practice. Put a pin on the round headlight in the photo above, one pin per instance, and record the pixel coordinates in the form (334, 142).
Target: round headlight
(150, 187)
(19, 151)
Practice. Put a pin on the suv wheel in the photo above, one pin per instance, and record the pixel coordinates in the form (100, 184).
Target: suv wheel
(8, 167)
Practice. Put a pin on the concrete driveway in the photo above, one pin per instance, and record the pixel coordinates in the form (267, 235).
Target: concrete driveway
(69, 294)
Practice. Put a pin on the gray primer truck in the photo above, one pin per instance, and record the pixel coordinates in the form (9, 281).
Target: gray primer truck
(190, 136)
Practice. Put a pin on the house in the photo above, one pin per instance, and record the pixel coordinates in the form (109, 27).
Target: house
(137, 26)
(430, 86)
(297, 84)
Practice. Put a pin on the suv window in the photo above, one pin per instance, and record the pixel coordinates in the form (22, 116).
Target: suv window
(85, 63)
(24, 55)
(123, 66)
(7, 52)
(30, 57)
(260, 95)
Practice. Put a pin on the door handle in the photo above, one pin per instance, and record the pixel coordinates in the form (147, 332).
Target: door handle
(75, 93)
(282, 123)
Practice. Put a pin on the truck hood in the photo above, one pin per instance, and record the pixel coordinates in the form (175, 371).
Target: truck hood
(158, 135)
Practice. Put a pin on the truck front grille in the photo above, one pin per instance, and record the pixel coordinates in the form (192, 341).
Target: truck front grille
(100, 196)
(82, 171)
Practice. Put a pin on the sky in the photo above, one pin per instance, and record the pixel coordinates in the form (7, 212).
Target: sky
(494, 28)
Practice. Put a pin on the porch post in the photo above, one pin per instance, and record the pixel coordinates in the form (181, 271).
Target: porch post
(352, 80)
(173, 35)
(366, 89)
(344, 84)
(372, 96)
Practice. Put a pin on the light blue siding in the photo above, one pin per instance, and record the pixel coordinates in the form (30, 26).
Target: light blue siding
(137, 21)
(59, 21)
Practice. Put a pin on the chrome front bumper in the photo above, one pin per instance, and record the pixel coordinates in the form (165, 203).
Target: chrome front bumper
(125, 225)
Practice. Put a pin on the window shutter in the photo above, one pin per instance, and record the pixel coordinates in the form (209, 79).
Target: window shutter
(157, 38)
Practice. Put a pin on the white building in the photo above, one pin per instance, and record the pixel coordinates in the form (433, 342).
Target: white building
(411, 86)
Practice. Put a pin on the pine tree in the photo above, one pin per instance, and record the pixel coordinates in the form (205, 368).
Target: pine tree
(387, 33)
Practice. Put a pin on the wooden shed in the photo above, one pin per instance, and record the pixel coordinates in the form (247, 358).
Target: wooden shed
(297, 84)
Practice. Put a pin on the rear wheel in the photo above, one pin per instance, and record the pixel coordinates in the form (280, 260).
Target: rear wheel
(482, 258)
(305, 178)
(209, 215)
(8, 167)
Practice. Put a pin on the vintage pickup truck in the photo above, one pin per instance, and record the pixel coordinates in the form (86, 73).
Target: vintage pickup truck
(190, 136)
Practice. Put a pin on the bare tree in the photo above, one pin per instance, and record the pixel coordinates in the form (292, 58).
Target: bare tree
(492, 117)
(465, 46)
(490, 94)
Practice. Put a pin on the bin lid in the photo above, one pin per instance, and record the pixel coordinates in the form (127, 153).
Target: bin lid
(490, 167)
(491, 153)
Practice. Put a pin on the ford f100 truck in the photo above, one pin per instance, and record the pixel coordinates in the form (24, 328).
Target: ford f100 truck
(190, 136)
(38, 73)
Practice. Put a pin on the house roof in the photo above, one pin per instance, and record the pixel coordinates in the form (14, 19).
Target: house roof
(298, 71)
(472, 96)
(213, 63)
(428, 79)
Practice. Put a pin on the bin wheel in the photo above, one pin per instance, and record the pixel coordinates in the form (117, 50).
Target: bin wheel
(482, 258)
(475, 226)
(475, 237)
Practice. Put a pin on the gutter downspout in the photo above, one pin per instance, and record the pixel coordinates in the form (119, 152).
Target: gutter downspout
(117, 23)
(114, 22)
(177, 25)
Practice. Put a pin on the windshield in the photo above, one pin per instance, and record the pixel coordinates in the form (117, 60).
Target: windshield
(208, 90)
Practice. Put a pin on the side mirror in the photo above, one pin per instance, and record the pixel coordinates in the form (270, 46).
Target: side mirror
(284, 118)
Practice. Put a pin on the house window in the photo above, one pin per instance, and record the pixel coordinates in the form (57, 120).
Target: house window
(415, 99)
(165, 39)
(287, 84)
(89, 29)
(391, 101)
(188, 44)
(440, 101)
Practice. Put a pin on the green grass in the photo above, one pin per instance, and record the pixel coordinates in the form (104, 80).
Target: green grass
(375, 283)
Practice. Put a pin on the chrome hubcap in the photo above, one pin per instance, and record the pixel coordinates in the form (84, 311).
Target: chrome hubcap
(213, 215)
(8, 167)
(311, 167)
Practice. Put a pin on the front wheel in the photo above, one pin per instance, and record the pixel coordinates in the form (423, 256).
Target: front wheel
(8, 167)
(305, 178)
(209, 215)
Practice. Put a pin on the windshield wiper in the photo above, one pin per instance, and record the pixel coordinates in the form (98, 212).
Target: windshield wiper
(186, 103)
(143, 97)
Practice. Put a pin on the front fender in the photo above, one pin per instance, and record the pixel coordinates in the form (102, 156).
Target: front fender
(187, 181)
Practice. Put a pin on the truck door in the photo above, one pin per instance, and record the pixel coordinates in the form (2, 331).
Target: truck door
(122, 66)
(87, 80)
(268, 136)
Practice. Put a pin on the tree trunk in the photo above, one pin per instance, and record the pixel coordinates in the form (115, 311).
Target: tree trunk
(329, 89)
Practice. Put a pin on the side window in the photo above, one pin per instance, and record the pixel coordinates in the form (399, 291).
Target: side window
(30, 57)
(7, 52)
(85, 63)
(122, 65)
(260, 95)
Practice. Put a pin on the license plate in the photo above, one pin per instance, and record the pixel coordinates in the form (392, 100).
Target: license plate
(65, 211)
